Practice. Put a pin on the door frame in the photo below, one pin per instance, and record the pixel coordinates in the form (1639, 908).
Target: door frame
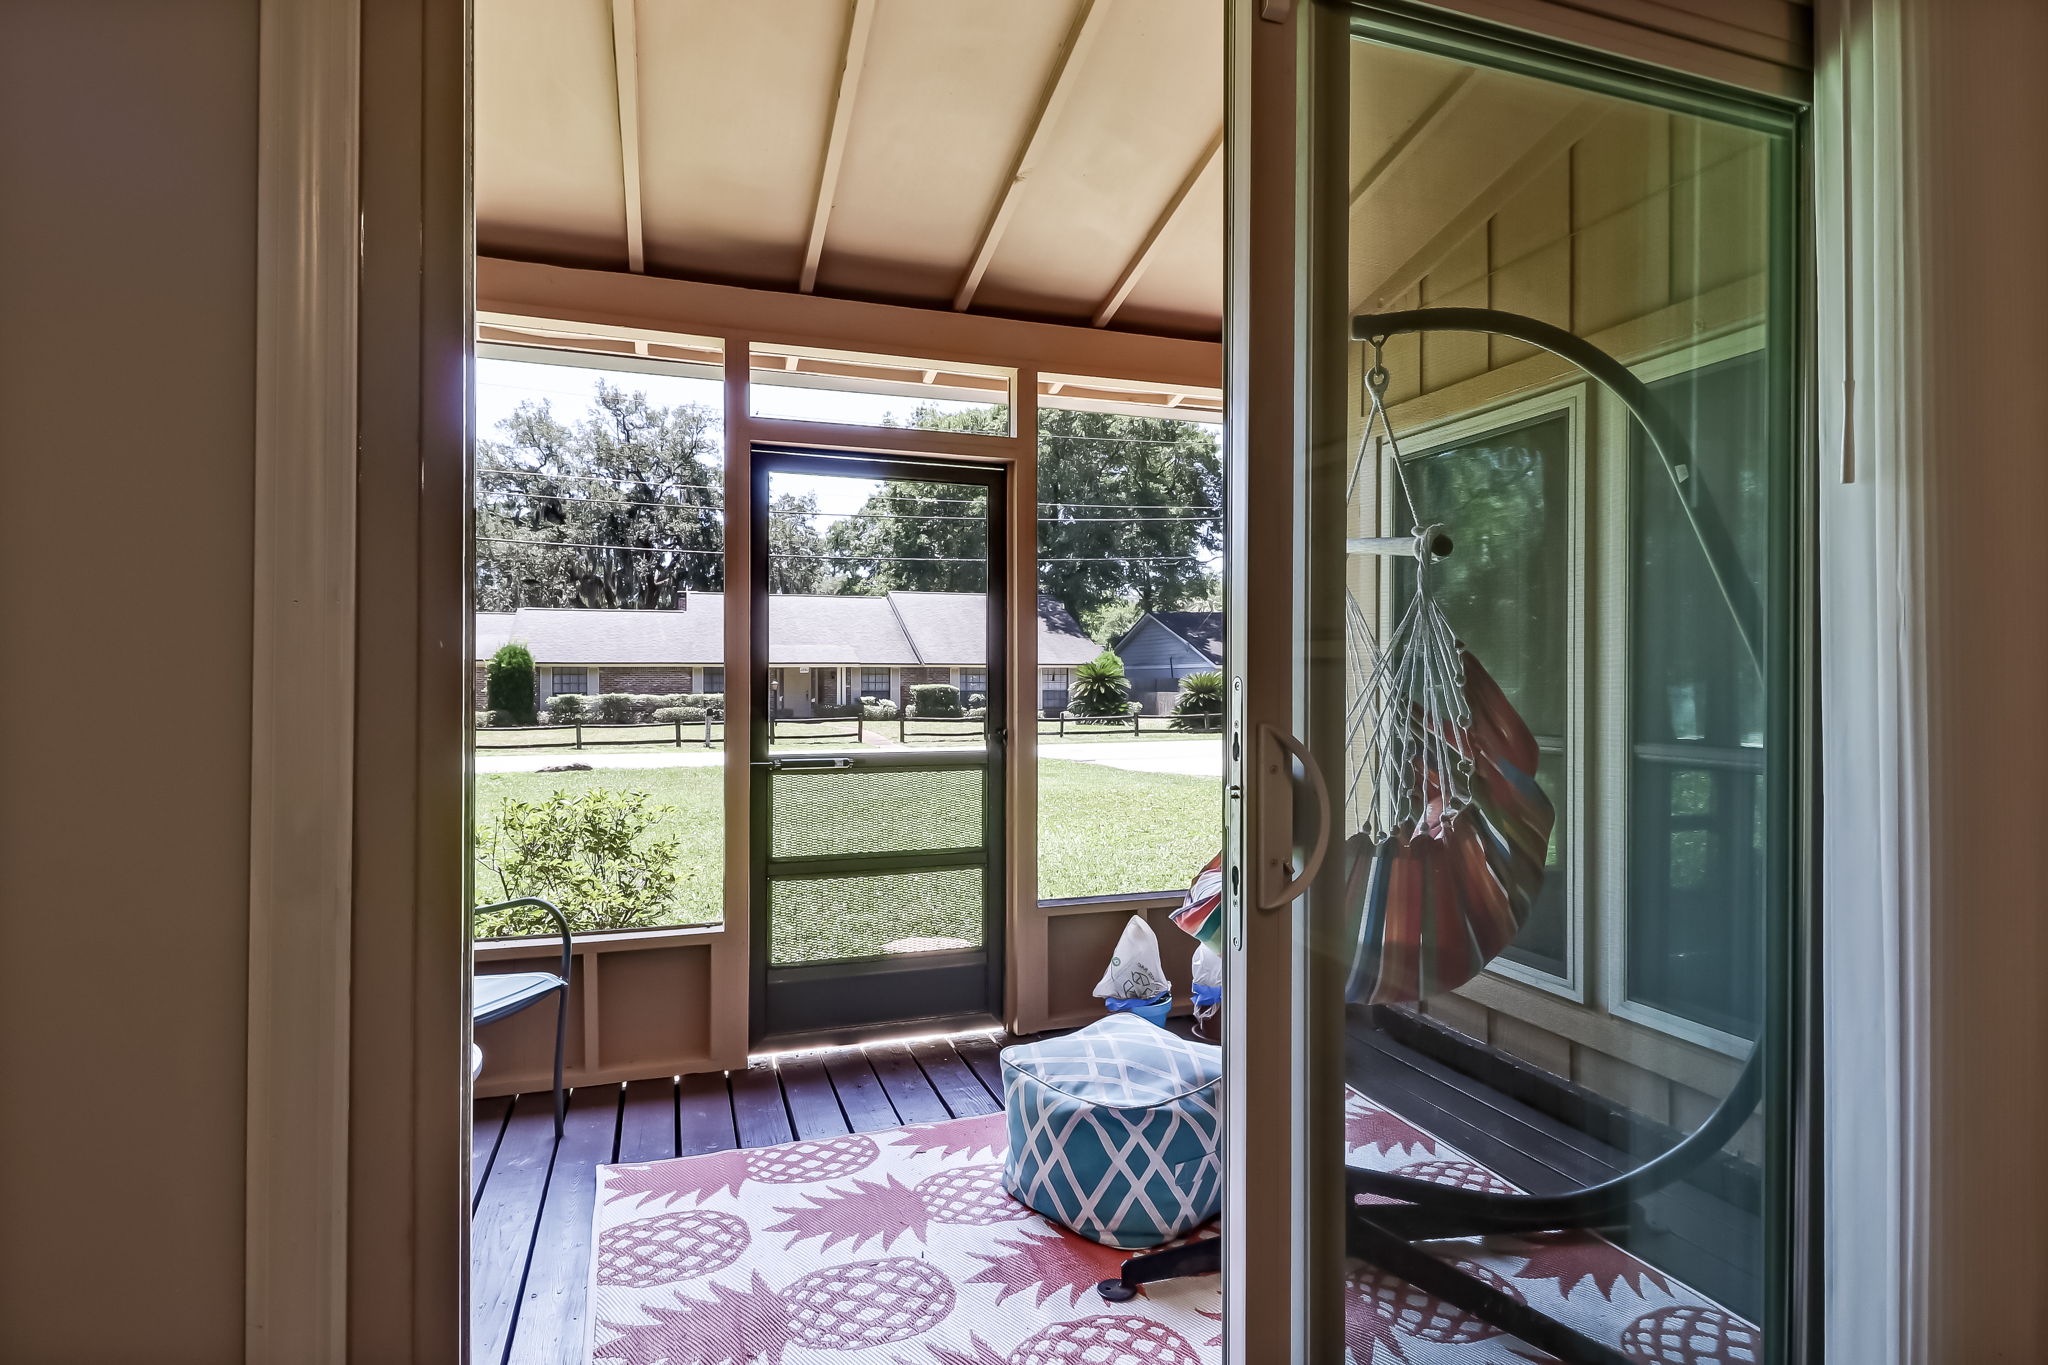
(398, 1202)
(765, 460)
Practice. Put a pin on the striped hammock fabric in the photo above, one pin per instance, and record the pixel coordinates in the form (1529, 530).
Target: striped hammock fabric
(1439, 899)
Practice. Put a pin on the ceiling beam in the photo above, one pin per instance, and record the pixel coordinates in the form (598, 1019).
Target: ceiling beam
(1491, 197)
(661, 309)
(1072, 57)
(1429, 122)
(1211, 157)
(626, 81)
(858, 23)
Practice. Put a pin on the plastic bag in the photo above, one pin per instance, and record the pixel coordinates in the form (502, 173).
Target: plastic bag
(1134, 971)
(1207, 989)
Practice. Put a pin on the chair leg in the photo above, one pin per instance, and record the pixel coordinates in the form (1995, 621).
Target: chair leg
(561, 1031)
(1189, 1258)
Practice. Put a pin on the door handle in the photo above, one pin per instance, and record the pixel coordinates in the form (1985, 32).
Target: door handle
(785, 764)
(1298, 883)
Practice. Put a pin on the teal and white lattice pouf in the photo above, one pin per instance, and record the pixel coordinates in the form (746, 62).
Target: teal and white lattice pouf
(1113, 1130)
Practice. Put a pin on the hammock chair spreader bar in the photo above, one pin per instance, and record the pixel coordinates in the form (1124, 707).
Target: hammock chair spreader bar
(1673, 450)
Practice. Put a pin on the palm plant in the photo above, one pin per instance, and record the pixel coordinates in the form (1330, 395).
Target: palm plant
(1100, 687)
(1200, 704)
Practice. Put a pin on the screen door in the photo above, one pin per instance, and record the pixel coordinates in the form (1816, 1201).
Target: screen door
(878, 814)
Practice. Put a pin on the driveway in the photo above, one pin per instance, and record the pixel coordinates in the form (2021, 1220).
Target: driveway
(1187, 757)
(532, 761)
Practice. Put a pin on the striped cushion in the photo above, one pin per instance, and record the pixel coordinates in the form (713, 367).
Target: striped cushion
(1113, 1131)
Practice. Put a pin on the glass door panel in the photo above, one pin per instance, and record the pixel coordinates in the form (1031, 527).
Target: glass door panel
(1537, 997)
(877, 813)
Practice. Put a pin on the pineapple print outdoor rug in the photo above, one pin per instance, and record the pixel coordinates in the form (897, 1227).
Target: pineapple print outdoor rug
(900, 1248)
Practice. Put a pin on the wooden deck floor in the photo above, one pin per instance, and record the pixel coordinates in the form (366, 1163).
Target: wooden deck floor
(531, 1209)
(532, 1204)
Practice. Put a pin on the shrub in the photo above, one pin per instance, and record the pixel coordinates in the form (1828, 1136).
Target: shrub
(834, 710)
(977, 699)
(588, 853)
(675, 715)
(508, 683)
(713, 702)
(645, 705)
(615, 708)
(878, 708)
(935, 699)
(1100, 688)
(483, 719)
(1200, 703)
(568, 708)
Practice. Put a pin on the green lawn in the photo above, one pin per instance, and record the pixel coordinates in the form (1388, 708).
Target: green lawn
(1100, 830)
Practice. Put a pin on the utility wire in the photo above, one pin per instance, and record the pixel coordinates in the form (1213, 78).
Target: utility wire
(780, 554)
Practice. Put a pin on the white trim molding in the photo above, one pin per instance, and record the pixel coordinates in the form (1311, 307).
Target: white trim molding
(302, 776)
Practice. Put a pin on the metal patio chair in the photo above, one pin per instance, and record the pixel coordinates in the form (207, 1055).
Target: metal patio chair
(497, 995)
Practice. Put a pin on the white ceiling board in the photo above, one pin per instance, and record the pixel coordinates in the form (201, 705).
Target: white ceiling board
(1181, 292)
(735, 102)
(1141, 115)
(548, 180)
(948, 88)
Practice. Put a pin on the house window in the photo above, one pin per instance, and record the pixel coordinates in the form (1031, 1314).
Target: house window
(714, 680)
(1697, 823)
(569, 680)
(874, 682)
(1507, 589)
(972, 681)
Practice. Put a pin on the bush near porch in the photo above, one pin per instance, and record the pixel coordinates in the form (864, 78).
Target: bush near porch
(1102, 830)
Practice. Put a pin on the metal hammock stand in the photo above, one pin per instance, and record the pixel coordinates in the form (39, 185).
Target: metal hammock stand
(1385, 1235)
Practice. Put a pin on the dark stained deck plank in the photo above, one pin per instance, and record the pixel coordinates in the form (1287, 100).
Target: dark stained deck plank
(909, 1092)
(759, 1117)
(552, 1305)
(704, 1118)
(502, 1230)
(953, 1079)
(1680, 1230)
(980, 1055)
(862, 1097)
(647, 1121)
(813, 1107)
(487, 1126)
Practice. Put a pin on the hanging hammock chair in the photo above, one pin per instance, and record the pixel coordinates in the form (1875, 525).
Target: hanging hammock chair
(1449, 859)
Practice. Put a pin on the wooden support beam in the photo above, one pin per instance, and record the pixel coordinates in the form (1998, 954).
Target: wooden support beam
(1072, 57)
(1205, 164)
(858, 23)
(1428, 124)
(1575, 124)
(526, 295)
(626, 76)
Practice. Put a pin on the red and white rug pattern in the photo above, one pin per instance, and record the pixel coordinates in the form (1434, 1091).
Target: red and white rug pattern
(901, 1248)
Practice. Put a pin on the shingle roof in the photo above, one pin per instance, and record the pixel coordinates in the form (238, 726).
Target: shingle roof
(901, 628)
(1202, 629)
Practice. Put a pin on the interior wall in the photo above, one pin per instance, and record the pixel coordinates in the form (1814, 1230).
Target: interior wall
(128, 152)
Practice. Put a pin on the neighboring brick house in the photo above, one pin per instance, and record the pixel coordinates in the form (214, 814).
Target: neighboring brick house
(824, 649)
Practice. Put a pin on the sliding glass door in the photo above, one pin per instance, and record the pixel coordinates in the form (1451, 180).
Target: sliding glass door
(1516, 729)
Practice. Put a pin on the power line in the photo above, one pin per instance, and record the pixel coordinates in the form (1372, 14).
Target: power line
(862, 558)
(798, 515)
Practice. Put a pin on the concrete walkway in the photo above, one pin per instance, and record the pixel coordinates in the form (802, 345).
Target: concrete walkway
(1199, 757)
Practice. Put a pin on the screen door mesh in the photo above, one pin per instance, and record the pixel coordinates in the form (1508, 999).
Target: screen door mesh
(837, 812)
(831, 919)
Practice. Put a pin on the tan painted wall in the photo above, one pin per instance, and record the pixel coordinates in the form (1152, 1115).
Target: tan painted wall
(128, 152)
(1645, 233)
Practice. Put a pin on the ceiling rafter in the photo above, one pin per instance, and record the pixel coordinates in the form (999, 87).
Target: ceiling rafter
(1210, 159)
(859, 22)
(1575, 123)
(626, 82)
(1431, 121)
(1072, 57)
